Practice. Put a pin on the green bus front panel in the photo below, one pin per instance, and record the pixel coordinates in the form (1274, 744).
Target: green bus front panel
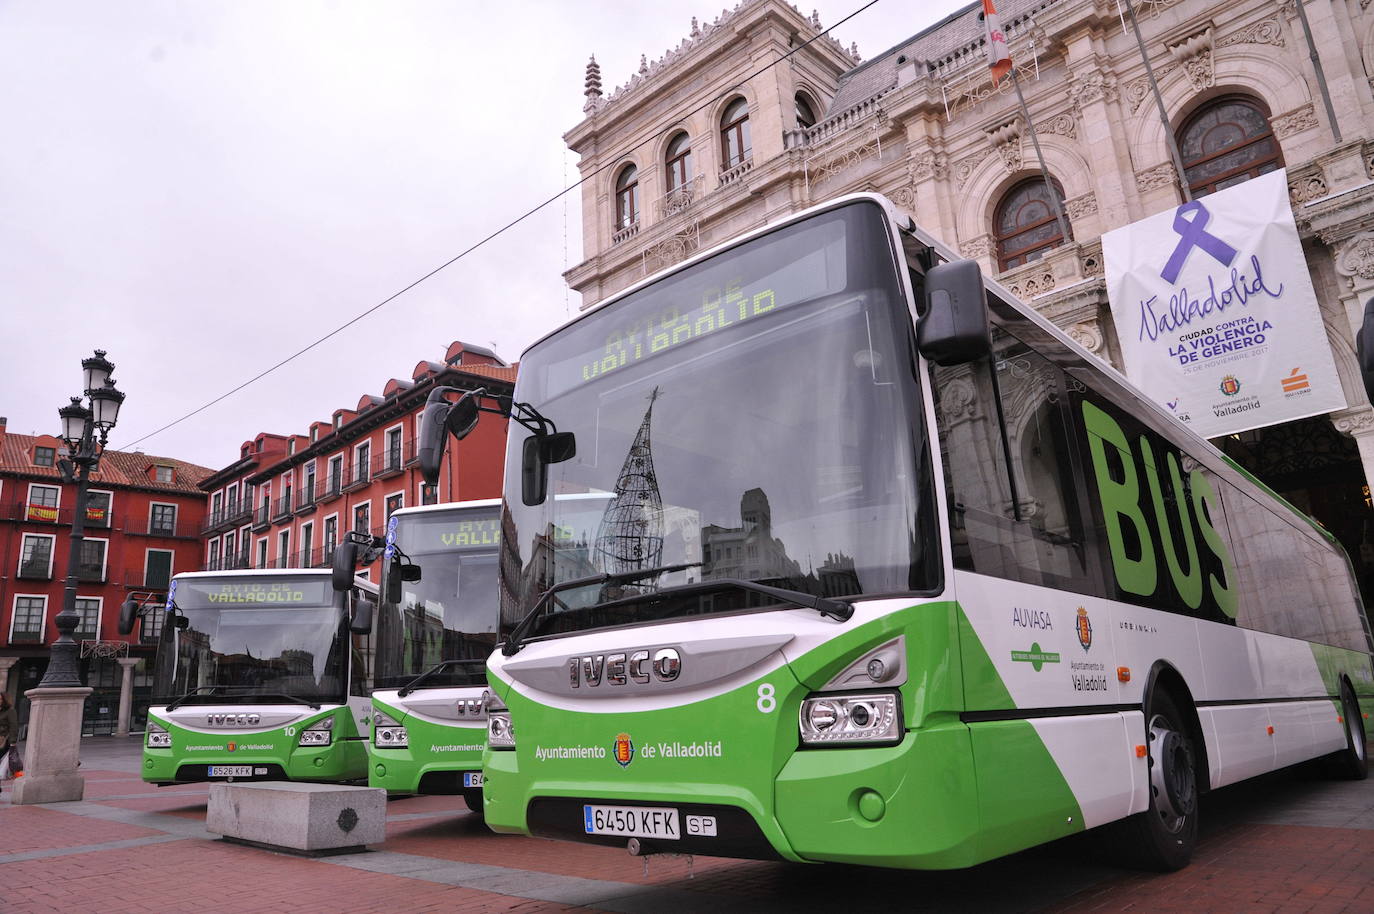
(434, 760)
(276, 752)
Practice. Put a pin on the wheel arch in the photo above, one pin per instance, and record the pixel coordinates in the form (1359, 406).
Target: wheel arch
(1165, 677)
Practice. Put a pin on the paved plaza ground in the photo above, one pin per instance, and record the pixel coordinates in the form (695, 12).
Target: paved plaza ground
(1287, 842)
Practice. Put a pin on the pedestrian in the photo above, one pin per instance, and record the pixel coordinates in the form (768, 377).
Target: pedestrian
(10, 766)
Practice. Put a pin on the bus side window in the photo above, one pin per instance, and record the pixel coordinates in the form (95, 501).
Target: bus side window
(1013, 502)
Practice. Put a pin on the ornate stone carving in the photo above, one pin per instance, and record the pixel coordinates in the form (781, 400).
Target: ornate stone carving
(1088, 335)
(1267, 32)
(958, 400)
(1090, 261)
(1356, 257)
(1357, 423)
(1194, 54)
(1151, 178)
(1295, 121)
(928, 164)
(1006, 139)
(1138, 89)
(963, 169)
(1085, 205)
(977, 247)
(904, 196)
(1090, 86)
(1030, 285)
(1060, 124)
(1304, 188)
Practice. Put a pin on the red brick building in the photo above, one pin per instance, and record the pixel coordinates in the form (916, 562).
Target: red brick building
(142, 526)
(289, 499)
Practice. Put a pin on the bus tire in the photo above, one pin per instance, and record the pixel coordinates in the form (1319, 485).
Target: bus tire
(1352, 762)
(1164, 835)
(474, 800)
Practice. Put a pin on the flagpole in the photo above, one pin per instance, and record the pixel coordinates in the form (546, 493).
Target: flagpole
(1163, 114)
(1044, 172)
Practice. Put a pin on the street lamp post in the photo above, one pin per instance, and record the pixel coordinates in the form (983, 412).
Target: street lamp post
(52, 750)
(81, 426)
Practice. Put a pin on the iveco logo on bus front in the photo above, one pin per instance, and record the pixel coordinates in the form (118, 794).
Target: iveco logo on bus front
(232, 720)
(625, 667)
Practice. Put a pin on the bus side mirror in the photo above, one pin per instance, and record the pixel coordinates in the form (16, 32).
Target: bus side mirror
(180, 622)
(954, 328)
(395, 575)
(539, 452)
(361, 624)
(438, 420)
(345, 558)
(1364, 349)
(128, 613)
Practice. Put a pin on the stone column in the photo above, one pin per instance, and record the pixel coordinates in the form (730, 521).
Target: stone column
(53, 749)
(1358, 423)
(5, 664)
(126, 693)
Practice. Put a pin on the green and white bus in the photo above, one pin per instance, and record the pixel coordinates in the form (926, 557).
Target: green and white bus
(891, 572)
(436, 625)
(259, 675)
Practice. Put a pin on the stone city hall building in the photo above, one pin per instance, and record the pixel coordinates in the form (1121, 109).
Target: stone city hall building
(753, 116)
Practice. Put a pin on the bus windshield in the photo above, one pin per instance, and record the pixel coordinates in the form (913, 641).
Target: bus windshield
(253, 639)
(755, 417)
(451, 612)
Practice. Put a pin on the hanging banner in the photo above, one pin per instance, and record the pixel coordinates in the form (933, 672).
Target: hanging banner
(1215, 311)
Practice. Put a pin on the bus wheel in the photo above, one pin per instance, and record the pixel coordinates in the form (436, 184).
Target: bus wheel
(1352, 762)
(474, 800)
(1164, 835)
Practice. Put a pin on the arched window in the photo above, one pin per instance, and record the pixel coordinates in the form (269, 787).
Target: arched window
(679, 162)
(806, 112)
(734, 134)
(1226, 142)
(627, 198)
(1025, 224)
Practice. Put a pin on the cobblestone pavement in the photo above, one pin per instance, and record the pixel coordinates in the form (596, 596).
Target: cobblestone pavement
(1291, 841)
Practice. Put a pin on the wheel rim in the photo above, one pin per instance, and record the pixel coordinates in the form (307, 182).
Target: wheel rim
(1172, 784)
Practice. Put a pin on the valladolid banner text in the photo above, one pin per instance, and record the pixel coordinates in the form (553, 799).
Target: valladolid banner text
(1216, 314)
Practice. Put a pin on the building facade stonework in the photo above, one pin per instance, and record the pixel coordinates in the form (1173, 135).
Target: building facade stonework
(923, 124)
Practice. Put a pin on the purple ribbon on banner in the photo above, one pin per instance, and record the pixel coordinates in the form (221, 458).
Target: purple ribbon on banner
(1193, 234)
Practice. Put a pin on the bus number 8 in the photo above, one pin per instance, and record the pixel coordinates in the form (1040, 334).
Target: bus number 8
(766, 702)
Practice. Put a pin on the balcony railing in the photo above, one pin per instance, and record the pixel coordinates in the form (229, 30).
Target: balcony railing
(281, 508)
(625, 233)
(90, 573)
(232, 562)
(262, 517)
(142, 580)
(307, 497)
(390, 462)
(332, 487)
(735, 172)
(42, 514)
(357, 475)
(235, 512)
(26, 636)
(170, 529)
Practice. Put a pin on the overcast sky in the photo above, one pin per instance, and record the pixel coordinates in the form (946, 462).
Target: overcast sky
(204, 187)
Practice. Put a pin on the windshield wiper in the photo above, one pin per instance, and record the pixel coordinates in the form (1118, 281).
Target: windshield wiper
(410, 686)
(243, 692)
(210, 688)
(839, 610)
(514, 641)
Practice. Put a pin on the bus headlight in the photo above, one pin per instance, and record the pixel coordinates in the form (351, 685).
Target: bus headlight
(155, 736)
(387, 733)
(500, 733)
(866, 717)
(320, 733)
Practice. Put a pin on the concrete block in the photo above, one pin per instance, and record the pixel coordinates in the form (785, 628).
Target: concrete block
(313, 818)
(52, 751)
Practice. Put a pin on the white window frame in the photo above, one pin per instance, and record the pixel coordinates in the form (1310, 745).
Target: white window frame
(324, 530)
(56, 455)
(176, 510)
(401, 459)
(42, 485)
(329, 474)
(104, 558)
(283, 547)
(353, 515)
(212, 541)
(171, 474)
(262, 549)
(52, 550)
(42, 619)
(99, 611)
(109, 525)
(171, 565)
(358, 447)
(389, 495)
(304, 527)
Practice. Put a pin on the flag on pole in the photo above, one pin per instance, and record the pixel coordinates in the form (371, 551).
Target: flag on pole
(999, 58)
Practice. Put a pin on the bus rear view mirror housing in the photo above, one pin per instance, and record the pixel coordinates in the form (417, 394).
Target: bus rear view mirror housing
(954, 328)
(345, 558)
(399, 571)
(539, 452)
(128, 613)
(361, 623)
